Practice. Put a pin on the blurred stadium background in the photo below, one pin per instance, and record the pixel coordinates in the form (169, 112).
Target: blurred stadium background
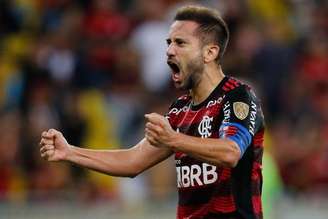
(93, 68)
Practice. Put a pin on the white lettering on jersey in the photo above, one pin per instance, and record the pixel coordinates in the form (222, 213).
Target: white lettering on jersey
(209, 173)
(204, 127)
(189, 176)
(214, 102)
(211, 103)
(252, 118)
(195, 175)
(226, 112)
(185, 178)
(177, 111)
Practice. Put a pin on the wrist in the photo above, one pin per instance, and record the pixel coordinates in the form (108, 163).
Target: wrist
(69, 153)
(174, 143)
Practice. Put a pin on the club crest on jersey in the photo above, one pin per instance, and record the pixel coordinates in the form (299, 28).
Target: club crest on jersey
(205, 126)
(241, 110)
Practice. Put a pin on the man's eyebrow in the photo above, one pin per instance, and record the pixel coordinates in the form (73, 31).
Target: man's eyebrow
(176, 39)
(180, 39)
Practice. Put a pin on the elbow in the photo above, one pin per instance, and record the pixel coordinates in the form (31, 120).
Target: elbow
(132, 175)
(135, 172)
(231, 161)
(128, 175)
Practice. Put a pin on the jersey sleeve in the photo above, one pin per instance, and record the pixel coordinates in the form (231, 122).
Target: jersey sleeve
(240, 117)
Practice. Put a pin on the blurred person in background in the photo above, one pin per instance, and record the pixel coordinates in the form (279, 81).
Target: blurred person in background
(215, 131)
(12, 184)
(154, 72)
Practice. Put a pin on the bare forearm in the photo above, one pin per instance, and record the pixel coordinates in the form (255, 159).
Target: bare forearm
(111, 162)
(221, 152)
(126, 162)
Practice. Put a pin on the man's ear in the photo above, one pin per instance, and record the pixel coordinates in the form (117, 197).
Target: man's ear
(211, 52)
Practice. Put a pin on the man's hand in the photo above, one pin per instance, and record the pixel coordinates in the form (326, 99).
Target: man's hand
(158, 131)
(54, 146)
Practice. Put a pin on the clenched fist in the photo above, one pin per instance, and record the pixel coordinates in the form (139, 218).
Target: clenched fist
(158, 131)
(54, 146)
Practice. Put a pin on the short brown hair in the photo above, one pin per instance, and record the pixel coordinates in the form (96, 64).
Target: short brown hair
(212, 28)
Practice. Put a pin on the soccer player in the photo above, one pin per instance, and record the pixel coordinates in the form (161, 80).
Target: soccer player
(215, 131)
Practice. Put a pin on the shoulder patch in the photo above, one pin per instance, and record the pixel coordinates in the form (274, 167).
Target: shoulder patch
(241, 110)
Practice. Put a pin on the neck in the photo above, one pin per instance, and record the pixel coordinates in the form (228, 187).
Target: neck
(211, 77)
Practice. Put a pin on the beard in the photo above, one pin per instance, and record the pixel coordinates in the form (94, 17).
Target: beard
(194, 69)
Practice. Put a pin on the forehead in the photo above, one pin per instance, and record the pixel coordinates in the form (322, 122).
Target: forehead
(183, 29)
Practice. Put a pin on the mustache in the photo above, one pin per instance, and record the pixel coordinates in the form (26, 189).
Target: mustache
(171, 60)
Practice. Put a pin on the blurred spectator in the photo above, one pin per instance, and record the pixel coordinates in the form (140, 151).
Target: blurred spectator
(149, 39)
(13, 183)
(104, 26)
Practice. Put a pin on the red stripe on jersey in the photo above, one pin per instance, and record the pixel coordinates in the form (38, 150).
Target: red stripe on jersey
(256, 171)
(226, 89)
(195, 117)
(225, 174)
(179, 154)
(230, 85)
(223, 204)
(231, 130)
(258, 139)
(217, 204)
(234, 82)
(257, 204)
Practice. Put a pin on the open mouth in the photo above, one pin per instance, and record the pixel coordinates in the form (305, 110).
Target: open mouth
(175, 70)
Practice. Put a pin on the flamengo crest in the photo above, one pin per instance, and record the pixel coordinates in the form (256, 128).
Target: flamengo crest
(205, 126)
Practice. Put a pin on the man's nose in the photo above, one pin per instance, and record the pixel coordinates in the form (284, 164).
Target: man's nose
(170, 51)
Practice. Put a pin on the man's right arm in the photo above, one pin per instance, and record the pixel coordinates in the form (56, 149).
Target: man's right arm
(125, 162)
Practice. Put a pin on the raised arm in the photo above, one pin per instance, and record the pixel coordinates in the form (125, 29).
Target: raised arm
(222, 152)
(125, 162)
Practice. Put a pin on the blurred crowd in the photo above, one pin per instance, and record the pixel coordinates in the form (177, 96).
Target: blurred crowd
(92, 69)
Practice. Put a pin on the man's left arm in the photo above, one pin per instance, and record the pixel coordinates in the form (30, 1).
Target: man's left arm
(222, 151)
(235, 134)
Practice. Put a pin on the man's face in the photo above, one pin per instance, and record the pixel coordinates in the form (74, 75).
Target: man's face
(184, 54)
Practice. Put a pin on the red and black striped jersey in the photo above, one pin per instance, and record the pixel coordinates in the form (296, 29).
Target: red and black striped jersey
(206, 191)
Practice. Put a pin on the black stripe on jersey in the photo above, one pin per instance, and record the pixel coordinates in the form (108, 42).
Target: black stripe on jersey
(243, 184)
(202, 195)
(197, 196)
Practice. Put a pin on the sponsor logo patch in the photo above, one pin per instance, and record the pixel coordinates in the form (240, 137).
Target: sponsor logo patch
(241, 110)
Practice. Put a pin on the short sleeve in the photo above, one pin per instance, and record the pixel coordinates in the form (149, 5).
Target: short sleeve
(240, 117)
